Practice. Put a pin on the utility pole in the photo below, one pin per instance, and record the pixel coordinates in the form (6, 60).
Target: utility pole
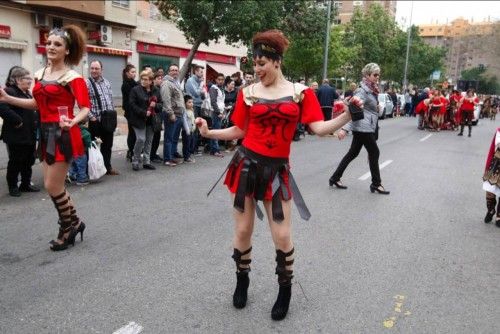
(405, 83)
(327, 40)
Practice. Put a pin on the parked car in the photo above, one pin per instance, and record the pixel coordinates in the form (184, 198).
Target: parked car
(385, 105)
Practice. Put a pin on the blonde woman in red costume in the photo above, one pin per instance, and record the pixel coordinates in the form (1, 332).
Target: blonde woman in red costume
(58, 86)
(265, 117)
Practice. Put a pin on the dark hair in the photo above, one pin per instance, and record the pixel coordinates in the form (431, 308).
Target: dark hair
(126, 70)
(274, 42)
(15, 72)
(173, 64)
(157, 75)
(228, 80)
(187, 97)
(248, 72)
(146, 66)
(75, 42)
(221, 75)
(96, 61)
(159, 68)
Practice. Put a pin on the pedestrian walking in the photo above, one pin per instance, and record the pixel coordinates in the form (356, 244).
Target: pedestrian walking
(55, 91)
(364, 131)
(265, 117)
(101, 97)
(19, 132)
(326, 95)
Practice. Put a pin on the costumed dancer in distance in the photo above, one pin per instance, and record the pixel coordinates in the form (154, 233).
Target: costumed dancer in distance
(466, 108)
(491, 180)
(59, 86)
(265, 117)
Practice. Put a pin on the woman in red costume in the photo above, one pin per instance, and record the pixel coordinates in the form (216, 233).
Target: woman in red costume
(466, 107)
(491, 180)
(435, 108)
(265, 117)
(58, 86)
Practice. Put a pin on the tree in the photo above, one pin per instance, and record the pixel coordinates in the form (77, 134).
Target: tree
(488, 84)
(204, 21)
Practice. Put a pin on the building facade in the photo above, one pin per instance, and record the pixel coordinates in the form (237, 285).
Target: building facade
(118, 32)
(345, 9)
(468, 45)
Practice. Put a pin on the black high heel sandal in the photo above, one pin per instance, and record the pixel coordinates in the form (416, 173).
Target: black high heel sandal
(380, 189)
(70, 233)
(336, 184)
(80, 230)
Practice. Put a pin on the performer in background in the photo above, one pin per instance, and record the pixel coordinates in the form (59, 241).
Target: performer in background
(466, 107)
(55, 91)
(265, 116)
(491, 180)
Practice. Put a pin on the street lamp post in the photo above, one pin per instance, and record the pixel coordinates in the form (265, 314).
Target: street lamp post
(408, 40)
(327, 39)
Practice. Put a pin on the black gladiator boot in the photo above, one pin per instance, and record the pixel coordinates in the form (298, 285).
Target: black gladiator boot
(470, 130)
(284, 262)
(461, 133)
(67, 232)
(242, 279)
(491, 201)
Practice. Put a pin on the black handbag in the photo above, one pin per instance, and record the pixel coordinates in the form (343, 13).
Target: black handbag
(156, 122)
(109, 118)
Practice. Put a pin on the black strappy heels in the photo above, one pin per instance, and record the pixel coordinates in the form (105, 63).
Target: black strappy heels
(380, 189)
(67, 235)
(336, 183)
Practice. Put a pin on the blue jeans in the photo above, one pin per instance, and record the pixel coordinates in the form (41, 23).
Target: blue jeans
(171, 137)
(188, 144)
(214, 143)
(78, 169)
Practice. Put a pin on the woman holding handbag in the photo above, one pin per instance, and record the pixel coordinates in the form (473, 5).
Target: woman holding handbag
(145, 104)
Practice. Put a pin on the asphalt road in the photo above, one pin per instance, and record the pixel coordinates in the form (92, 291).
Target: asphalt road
(157, 251)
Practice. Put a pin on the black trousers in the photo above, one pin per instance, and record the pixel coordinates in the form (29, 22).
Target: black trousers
(327, 113)
(359, 140)
(130, 138)
(155, 144)
(21, 158)
(96, 130)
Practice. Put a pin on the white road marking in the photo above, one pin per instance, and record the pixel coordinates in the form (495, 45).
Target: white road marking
(426, 137)
(367, 175)
(131, 328)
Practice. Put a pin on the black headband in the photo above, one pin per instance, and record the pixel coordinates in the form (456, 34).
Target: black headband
(260, 50)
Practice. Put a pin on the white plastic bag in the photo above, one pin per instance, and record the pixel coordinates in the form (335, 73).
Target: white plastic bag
(96, 162)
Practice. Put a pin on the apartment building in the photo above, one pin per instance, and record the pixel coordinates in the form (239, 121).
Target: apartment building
(118, 32)
(345, 9)
(468, 44)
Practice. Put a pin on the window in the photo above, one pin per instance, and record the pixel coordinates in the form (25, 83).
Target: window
(337, 4)
(121, 3)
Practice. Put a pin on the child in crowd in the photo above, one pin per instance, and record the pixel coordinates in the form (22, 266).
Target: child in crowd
(78, 169)
(189, 144)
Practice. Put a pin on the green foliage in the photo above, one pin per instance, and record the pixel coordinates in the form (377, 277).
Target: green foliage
(487, 84)
(203, 21)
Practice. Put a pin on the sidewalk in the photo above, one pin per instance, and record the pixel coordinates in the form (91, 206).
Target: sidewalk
(119, 142)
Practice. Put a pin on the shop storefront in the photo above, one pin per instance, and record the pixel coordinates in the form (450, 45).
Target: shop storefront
(157, 56)
(10, 52)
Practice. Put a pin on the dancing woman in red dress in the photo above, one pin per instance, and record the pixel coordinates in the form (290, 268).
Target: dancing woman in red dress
(265, 117)
(58, 86)
(466, 107)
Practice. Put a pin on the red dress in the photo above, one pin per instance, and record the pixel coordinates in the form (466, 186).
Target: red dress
(269, 128)
(62, 92)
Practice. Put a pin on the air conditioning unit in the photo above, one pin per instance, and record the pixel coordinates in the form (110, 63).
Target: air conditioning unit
(106, 35)
(357, 3)
(41, 20)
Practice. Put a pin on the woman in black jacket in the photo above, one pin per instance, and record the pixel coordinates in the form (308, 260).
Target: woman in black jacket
(19, 132)
(128, 75)
(145, 101)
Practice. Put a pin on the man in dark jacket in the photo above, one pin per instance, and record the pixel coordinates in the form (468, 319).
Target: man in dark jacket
(326, 95)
